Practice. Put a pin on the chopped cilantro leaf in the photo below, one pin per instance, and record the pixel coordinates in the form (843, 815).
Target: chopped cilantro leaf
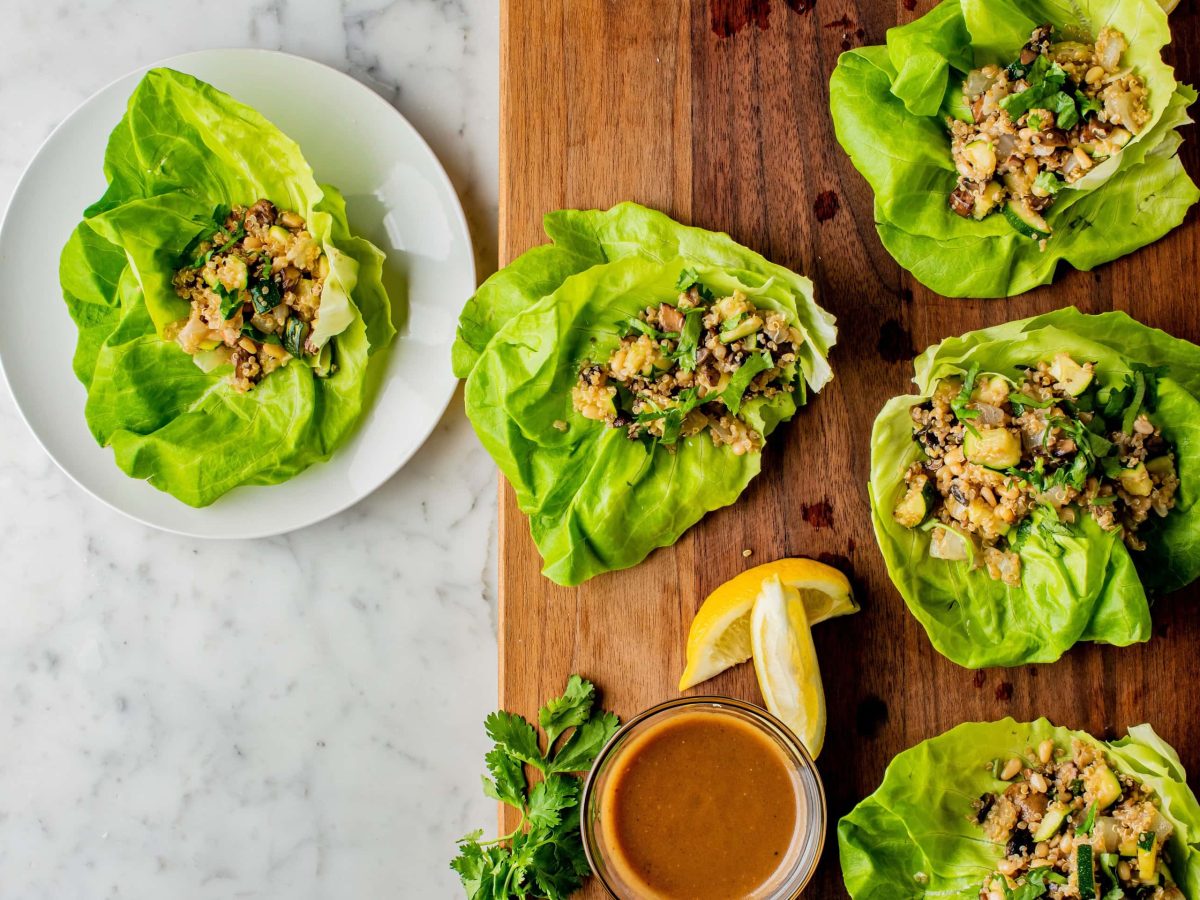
(753, 366)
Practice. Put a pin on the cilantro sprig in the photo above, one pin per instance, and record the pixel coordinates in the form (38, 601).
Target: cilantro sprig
(543, 856)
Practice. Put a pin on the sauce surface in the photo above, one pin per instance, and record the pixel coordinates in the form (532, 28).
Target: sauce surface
(700, 806)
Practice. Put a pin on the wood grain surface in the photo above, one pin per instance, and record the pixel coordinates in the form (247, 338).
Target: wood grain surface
(717, 113)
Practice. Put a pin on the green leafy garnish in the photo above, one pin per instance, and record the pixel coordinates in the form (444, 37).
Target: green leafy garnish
(754, 365)
(687, 279)
(1089, 821)
(1146, 840)
(1045, 79)
(231, 302)
(1035, 884)
(1088, 106)
(673, 416)
(689, 338)
(960, 403)
(633, 323)
(1049, 182)
(543, 856)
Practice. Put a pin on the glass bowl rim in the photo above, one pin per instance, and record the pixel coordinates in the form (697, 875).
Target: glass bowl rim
(762, 719)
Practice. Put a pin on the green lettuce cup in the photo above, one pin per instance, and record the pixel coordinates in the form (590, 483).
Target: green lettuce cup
(183, 155)
(923, 832)
(598, 500)
(891, 106)
(1079, 580)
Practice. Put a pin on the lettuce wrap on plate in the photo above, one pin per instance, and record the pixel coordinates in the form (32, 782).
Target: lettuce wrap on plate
(1059, 812)
(226, 315)
(625, 377)
(1041, 485)
(1003, 136)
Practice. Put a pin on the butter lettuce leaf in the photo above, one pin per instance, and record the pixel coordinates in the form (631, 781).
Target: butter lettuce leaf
(596, 500)
(1086, 585)
(914, 836)
(889, 105)
(183, 152)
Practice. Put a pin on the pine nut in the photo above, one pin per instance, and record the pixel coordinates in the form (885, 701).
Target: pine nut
(248, 345)
(1045, 750)
(1038, 782)
(1011, 769)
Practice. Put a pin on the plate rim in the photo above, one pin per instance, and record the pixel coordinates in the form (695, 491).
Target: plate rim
(386, 473)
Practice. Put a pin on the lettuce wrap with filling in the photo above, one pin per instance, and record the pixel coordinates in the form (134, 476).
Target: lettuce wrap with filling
(1079, 582)
(182, 156)
(890, 106)
(596, 500)
(915, 837)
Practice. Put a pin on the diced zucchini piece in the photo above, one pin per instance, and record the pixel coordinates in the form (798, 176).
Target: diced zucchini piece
(1025, 221)
(915, 506)
(1052, 820)
(210, 344)
(986, 204)
(210, 276)
(265, 297)
(996, 448)
(1162, 466)
(747, 327)
(1103, 784)
(1136, 481)
(1120, 137)
(294, 333)
(277, 234)
(1147, 857)
(1085, 868)
(1073, 377)
(946, 543)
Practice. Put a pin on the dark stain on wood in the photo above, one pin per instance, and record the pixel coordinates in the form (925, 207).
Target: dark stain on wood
(731, 16)
(800, 6)
(845, 23)
(826, 206)
(1004, 691)
(978, 679)
(818, 515)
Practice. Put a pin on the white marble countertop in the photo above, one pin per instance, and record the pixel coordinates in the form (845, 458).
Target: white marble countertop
(289, 718)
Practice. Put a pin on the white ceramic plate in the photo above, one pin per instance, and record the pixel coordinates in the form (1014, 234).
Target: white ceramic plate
(397, 196)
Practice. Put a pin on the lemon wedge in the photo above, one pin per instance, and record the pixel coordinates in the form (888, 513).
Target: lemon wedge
(720, 634)
(785, 660)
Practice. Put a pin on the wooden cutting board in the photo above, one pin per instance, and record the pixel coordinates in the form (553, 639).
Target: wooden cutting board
(717, 113)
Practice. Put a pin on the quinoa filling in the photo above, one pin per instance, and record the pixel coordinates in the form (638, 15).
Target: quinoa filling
(1074, 827)
(1042, 123)
(255, 292)
(692, 366)
(1004, 457)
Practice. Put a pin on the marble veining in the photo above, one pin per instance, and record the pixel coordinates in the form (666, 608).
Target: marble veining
(289, 718)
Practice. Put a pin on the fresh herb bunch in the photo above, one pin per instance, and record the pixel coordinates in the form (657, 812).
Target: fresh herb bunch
(543, 856)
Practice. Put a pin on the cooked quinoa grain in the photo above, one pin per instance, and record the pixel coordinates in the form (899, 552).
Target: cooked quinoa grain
(1002, 457)
(255, 293)
(691, 366)
(1073, 824)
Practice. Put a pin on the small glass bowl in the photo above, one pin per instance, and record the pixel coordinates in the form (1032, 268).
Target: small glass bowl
(786, 886)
